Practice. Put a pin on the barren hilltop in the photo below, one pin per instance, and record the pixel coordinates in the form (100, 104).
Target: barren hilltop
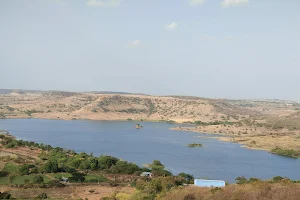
(273, 125)
(106, 106)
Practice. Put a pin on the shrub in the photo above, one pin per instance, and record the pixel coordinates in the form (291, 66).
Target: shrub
(42, 196)
(241, 180)
(187, 177)
(51, 166)
(38, 179)
(77, 177)
(3, 174)
(5, 195)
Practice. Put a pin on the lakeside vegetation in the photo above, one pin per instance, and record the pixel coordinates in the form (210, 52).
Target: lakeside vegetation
(194, 145)
(286, 152)
(52, 164)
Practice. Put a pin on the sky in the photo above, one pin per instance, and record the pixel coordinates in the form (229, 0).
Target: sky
(237, 49)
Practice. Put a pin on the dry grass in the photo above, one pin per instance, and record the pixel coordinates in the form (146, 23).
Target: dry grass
(53, 105)
(92, 192)
(257, 191)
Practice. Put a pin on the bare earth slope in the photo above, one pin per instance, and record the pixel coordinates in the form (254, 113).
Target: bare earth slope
(68, 105)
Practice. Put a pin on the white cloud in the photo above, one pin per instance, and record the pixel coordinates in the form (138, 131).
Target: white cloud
(103, 2)
(135, 43)
(229, 3)
(196, 2)
(171, 26)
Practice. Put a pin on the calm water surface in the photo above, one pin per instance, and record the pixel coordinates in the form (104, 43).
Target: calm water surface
(215, 160)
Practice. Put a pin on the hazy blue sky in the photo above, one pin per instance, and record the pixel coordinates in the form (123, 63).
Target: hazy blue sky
(209, 48)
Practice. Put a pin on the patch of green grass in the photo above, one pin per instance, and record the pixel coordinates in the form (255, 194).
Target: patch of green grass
(4, 180)
(11, 168)
(21, 179)
(95, 178)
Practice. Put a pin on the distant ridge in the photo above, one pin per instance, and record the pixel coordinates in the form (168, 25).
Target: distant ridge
(21, 91)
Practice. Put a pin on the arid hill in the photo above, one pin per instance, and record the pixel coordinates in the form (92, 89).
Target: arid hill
(106, 106)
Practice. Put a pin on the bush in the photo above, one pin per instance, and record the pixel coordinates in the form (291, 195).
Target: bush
(5, 195)
(24, 169)
(42, 196)
(241, 180)
(277, 179)
(124, 167)
(77, 177)
(38, 179)
(3, 174)
(187, 177)
(51, 166)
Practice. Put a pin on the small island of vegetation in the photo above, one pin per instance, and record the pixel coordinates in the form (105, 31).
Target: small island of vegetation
(194, 145)
(286, 152)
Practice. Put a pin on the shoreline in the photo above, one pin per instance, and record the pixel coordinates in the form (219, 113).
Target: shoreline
(242, 140)
(90, 119)
(253, 142)
(220, 137)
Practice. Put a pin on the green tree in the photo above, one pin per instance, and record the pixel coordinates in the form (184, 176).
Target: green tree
(241, 180)
(187, 177)
(105, 162)
(51, 166)
(24, 169)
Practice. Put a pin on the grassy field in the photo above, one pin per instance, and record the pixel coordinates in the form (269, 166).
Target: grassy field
(89, 178)
(11, 168)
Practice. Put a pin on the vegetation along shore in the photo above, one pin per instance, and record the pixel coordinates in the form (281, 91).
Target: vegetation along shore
(31, 170)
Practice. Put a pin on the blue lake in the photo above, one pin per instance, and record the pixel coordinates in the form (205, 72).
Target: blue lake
(215, 160)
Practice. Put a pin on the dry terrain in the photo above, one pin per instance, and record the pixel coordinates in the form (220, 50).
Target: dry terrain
(67, 105)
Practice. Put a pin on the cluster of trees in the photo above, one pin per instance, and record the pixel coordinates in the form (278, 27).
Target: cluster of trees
(213, 123)
(276, 179)
(60, 160)
(10, 142)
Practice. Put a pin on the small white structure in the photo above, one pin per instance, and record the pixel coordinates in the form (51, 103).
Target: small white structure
(146, 174)
(209, 183)
(64, 179)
